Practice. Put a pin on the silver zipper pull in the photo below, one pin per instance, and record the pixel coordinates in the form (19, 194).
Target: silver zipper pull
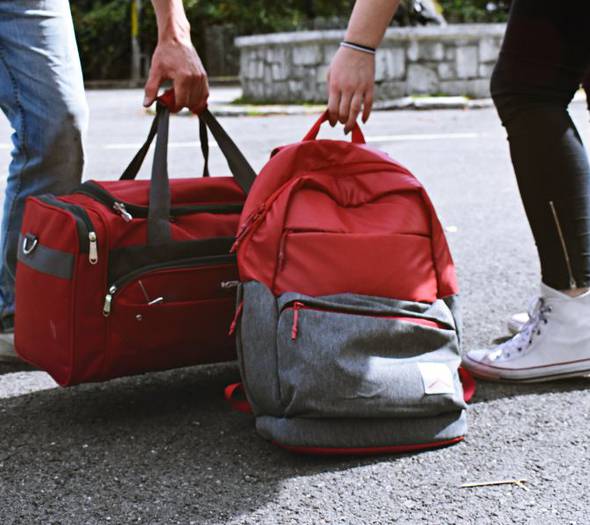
(93, 249)
(226, 285)
(108, 301)
(120, 208)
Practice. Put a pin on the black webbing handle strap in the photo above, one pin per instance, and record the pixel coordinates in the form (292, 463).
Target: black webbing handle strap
(159, 231)
(238, 165)
(135, 165)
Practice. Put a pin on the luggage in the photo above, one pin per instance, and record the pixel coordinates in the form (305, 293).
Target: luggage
(347, 325)
(127, 276)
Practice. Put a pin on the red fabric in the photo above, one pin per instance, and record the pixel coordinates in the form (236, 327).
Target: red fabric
(326, 217)
(468, 382)
(369, 451)
(357, 134)
(239, 405)
(60, 326)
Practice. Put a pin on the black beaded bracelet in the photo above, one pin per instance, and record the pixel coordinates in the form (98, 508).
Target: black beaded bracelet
(358, 47)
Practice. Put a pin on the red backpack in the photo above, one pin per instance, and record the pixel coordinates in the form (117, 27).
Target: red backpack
(349, 337)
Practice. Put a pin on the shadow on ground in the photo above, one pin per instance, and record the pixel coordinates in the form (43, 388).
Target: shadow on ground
(161, 448)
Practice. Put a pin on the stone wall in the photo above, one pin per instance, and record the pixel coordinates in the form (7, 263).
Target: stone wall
(449, 60)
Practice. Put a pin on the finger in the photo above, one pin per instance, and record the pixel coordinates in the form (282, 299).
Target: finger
(355, 109)
(367, 104)
(182, 86)
(151, 87)
(344, 109)
(199, 94)
(333, 104)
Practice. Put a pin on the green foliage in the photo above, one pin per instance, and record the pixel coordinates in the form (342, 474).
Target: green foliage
(102, 30)
(465, 11)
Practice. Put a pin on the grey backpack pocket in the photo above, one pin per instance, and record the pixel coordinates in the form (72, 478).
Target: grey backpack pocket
(348, 356)
(338, 359)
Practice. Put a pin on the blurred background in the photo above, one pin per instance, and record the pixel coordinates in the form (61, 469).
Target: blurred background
(116, 37)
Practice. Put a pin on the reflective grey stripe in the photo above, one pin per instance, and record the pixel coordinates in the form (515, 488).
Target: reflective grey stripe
(47, 260)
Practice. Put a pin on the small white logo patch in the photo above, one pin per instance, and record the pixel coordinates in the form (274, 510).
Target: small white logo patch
(437, 378)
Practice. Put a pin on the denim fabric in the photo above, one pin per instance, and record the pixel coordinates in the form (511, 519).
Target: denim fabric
(42, 94)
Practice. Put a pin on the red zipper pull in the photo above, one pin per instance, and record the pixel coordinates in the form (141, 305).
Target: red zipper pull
(296, 307)
(234, 323)
(253, 218)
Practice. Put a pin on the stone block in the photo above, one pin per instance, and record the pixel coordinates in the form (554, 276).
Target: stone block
(329, 52)
(477, 88)
(447, 70)
(486, 70)
(280, 71)
(413, 51)
(489, 49)
(466, 62)
(321, 73)
(298, 72)
(390, 64)
(450, 52)
(421, 79)
(432, 51)
(390, 90)
(307, 55)
(295, 89)
(255, 69)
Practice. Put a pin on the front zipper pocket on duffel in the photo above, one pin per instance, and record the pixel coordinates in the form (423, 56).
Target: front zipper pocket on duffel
(351, 360)
(168, 316)
(129, 211)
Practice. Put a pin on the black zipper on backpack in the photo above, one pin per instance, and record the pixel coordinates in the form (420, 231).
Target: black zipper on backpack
(129, 211)
(86, 233)
(187, 263)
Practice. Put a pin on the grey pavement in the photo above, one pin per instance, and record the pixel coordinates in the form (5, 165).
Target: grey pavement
(165, 449)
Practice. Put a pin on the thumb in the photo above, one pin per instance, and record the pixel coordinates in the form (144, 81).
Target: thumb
(151, 88)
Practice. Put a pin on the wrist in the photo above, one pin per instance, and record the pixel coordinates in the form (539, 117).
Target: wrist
(174, 30)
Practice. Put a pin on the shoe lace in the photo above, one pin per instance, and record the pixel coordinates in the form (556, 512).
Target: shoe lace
(538, 318)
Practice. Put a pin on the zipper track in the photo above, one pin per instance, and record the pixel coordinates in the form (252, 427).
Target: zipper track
(200, 261)
(96, 192)
(566, 255)
(300, 305)
(83, 222)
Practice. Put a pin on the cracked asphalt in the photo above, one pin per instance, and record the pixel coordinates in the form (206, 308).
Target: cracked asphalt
(165, 448)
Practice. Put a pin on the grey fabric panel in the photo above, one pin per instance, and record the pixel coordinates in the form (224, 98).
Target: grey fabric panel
(257, 336)
(361, 433)
(454, 305)
(47, 260)
(437, 311)
(343, 365)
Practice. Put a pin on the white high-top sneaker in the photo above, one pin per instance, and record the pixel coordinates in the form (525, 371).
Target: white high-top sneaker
(553, 344)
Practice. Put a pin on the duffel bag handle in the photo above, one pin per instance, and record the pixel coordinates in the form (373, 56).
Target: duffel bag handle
(357, 134)
(135, 165)
(159, 231)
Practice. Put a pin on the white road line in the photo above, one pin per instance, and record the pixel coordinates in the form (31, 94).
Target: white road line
(376, 138)
(422, 136)
(170, 145)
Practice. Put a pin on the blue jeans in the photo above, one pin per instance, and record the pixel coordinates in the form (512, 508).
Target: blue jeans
(42, 94)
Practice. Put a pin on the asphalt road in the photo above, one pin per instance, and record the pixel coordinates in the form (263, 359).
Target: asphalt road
(165, 449)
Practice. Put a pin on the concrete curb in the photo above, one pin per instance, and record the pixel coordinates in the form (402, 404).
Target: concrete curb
(404, 103)
(415, 103)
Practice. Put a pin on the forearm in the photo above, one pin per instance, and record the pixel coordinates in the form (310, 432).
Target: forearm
(369, 20)
(171, 19)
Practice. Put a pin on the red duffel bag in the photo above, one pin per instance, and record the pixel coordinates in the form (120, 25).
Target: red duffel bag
(125, 277)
